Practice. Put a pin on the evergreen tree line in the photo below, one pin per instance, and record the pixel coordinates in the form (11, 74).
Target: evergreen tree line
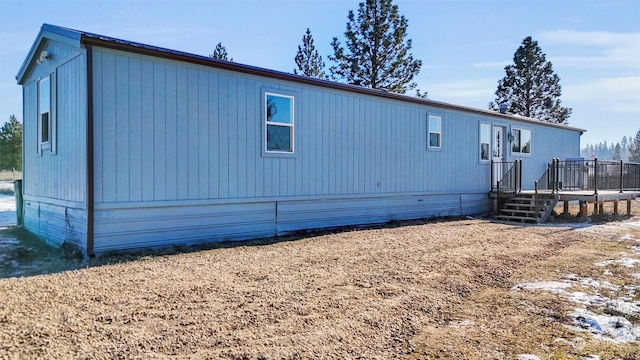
(11, 145)
(376, 53)
(627, 149)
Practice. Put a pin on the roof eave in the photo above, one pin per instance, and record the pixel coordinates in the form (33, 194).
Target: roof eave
(143, 49)
(78, 38)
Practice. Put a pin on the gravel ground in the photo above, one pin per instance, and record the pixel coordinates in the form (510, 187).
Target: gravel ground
(394, 292)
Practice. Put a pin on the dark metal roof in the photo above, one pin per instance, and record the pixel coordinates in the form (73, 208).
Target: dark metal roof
(135, 47)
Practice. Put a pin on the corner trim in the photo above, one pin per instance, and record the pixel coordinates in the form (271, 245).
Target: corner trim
(89, 169)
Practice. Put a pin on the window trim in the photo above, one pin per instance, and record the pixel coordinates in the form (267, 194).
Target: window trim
(520, 152)
(51, 142)
(429, 132)
(266, 123)
(488, 159)
(41, 141)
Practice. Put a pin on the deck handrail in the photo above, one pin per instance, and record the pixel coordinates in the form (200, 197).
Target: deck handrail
(590, 175)
(510, 174)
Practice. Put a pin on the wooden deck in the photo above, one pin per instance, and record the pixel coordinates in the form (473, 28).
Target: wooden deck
(584, 198)
(590, 195)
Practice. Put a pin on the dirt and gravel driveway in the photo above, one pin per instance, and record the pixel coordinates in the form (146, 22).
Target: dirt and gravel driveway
(421, 290)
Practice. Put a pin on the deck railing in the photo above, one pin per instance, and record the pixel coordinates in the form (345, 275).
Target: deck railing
(506, 176)
(590, 175)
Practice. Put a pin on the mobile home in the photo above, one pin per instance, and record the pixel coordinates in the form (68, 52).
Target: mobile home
(128, 145)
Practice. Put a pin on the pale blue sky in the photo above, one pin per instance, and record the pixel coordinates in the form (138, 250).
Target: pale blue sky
(464, 44)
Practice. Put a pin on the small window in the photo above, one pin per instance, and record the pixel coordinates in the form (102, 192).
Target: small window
(44, 103)
(279, 123)
(521, 143)
(435, 131)
(485, 141)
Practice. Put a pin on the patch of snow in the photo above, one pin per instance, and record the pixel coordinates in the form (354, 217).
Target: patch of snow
(579, 297)
(623, 307)
(590, 357)
(553, 286)
(612, 227)
(590, 282)
(631, 291)
(528, 357)
(6, 185)
(606, 327)
(625, 261)
(627, 237)
(7, 210)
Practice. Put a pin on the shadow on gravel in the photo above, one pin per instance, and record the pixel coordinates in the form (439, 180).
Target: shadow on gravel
(24, 254)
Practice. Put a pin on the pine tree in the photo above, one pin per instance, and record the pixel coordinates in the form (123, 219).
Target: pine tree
(220, 53)
(624, 144)
(617, 152)
(308, 59)
(376, 54)
(530, 87)
(634, 149)
(11, 144)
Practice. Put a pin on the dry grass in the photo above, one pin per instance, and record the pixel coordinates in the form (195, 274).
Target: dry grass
(423, 290)
(9, 175)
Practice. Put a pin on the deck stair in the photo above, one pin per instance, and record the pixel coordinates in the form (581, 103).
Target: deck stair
(521, 207)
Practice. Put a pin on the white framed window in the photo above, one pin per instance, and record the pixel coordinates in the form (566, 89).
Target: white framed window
(279, 123)
(521, 143)
(435, 132)
(47, 114)
(485, 142)
(44, 110)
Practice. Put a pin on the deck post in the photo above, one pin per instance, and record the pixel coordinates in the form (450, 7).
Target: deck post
(496, 204)
(520, 177)
(552, 176)
(595, 176)
(621, 176)
(492, 175)
(615, 207)
(595, 208)
(535, 198)
(583, 209)
(557, 175)
(601, 208)
(514, 180)
(628, 206)
(565, 207)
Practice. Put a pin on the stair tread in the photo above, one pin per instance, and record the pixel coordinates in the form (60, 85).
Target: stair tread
(509, 218)
(518, 216)
(521, 211)
(543, 208)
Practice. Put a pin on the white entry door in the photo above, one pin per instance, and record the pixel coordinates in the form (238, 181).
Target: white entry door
(497, 152)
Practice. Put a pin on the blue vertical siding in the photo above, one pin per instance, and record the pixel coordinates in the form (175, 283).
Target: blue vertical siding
(197, 133)
(54, 183)
(59, 175)
(195, 140)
